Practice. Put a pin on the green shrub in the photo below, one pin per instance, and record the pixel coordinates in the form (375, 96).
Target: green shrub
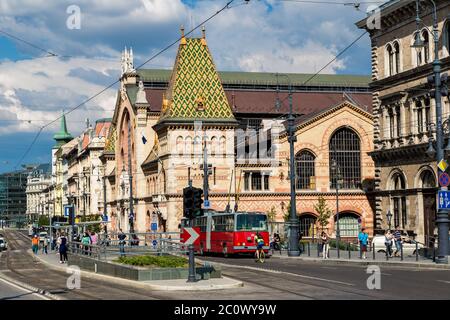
(343, 245)
(157, 261)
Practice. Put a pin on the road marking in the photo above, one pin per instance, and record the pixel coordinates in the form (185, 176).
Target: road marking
(24, 290)
(288, 273)
(386, 274)
(444, 281)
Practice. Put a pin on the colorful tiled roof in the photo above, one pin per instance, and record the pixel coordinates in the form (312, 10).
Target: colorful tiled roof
(195, 91)
(110, 144)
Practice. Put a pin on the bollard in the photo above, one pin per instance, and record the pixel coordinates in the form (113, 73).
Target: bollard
(349, 252)
(373, 250)
(401, 251)
(417, 251)
(191, 277)
(387, 253)
(309, 250)
(318, 250)
(434, 253)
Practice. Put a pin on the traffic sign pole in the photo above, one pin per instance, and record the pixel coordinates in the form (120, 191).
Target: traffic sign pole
(191, 276)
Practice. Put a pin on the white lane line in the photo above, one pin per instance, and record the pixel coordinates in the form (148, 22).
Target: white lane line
(24, 290)
(443, 281)
(288, 273)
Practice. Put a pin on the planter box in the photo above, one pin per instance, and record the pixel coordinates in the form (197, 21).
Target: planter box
(141, 273)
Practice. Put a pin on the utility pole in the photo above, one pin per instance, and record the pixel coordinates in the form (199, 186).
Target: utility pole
(105, 213)
(205, 173)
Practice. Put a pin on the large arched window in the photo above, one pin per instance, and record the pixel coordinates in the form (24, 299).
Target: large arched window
(305, 170)
(348, 224)
(397, 57)
(426, 48)
(307, 225)
(399, 200)
(345, 159)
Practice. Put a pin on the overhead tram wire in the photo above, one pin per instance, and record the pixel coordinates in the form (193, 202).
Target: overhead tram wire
(50, 54)
(227, 6)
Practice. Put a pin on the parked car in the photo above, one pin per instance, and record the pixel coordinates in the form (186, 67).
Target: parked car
(3, 244)
(42, 235)
(409, 245)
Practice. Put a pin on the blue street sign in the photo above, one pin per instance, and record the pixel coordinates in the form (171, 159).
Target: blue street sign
(67, 210)
(443, 199)
(206, 204)
(154, 243)
(105, 218)
(154, 227)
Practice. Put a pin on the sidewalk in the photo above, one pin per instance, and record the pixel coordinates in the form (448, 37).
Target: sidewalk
(52, 261)
(380, 259)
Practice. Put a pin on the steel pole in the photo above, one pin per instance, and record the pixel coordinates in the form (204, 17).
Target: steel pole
(191, 276)
(205, 170)
(105, 213)
(442, 215)
(338, 231)
(293, 221)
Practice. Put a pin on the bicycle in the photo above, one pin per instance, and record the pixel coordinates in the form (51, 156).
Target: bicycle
(261, 257)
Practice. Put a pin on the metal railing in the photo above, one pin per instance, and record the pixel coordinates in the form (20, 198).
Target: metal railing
(110, 248)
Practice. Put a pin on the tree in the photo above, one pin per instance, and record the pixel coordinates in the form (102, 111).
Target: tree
(288, 212)
(271, 214)
(323, 211)
(43, 221)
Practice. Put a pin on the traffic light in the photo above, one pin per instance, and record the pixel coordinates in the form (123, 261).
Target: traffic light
(198, 202)
(188, 202)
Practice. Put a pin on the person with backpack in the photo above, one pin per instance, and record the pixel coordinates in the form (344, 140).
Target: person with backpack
(86, 242)
(62, 240)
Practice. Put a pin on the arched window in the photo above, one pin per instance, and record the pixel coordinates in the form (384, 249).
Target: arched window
(180, 145)
(426, 49)
(307, 225)
(348, 224)
(188, 146)
(305, 170)
(399, 200)
(446, 39)
(390, 57)
(427, 179)
(345, 159)
(397, 57)
(222, 145)
(418, 52)
(214, 146)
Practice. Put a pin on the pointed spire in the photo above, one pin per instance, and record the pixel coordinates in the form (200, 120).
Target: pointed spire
(183, 38)
(203, 36)
(63, 136)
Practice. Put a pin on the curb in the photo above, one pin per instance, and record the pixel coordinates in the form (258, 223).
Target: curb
(146, 285)
(26, 286)
(415, 265)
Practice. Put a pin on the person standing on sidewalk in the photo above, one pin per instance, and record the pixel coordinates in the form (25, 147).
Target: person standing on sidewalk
(35, 244)
(325, 245)
(86, 242)
(45, 245)
(62, 248)
(398, 240)
(121, 237)
(388, 242)
(363, 238)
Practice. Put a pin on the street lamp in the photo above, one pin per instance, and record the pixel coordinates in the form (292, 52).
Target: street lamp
(389, 218)
(337, 173)
(293, 220)
(442, 215)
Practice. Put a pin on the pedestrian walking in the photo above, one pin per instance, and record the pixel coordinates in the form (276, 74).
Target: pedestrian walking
(397, 240)
(388, 242)
(35, 244)
(86, 242)
(62, 240)
(121, 237)
(325, 245)
(363, 238)
(94, 238)
(45, 245)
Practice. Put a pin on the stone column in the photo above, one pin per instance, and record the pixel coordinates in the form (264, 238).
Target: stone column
(394, 114)
(403, 120)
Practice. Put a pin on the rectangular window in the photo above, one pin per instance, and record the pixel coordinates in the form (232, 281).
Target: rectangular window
(256, 181)
(246, 181)
(266, 182)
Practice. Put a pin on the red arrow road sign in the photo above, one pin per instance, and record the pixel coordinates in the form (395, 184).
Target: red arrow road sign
(191, 235)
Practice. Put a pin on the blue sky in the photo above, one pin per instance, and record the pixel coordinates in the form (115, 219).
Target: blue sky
(265, 35)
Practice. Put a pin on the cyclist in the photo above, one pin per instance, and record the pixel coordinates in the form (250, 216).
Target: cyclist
(259, 244)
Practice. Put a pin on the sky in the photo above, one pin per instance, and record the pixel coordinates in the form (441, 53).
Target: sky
(255, 35)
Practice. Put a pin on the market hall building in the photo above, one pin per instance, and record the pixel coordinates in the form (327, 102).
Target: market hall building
(163, 118)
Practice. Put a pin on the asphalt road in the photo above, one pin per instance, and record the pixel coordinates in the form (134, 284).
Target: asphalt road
(9, 291)
(275, 279)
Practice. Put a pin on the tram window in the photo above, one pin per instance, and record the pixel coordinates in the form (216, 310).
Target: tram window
(257, 222)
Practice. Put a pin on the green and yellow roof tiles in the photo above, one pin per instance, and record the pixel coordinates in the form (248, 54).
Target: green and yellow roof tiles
(195, 90)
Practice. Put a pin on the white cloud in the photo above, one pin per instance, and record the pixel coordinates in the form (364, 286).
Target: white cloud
(286, 37)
